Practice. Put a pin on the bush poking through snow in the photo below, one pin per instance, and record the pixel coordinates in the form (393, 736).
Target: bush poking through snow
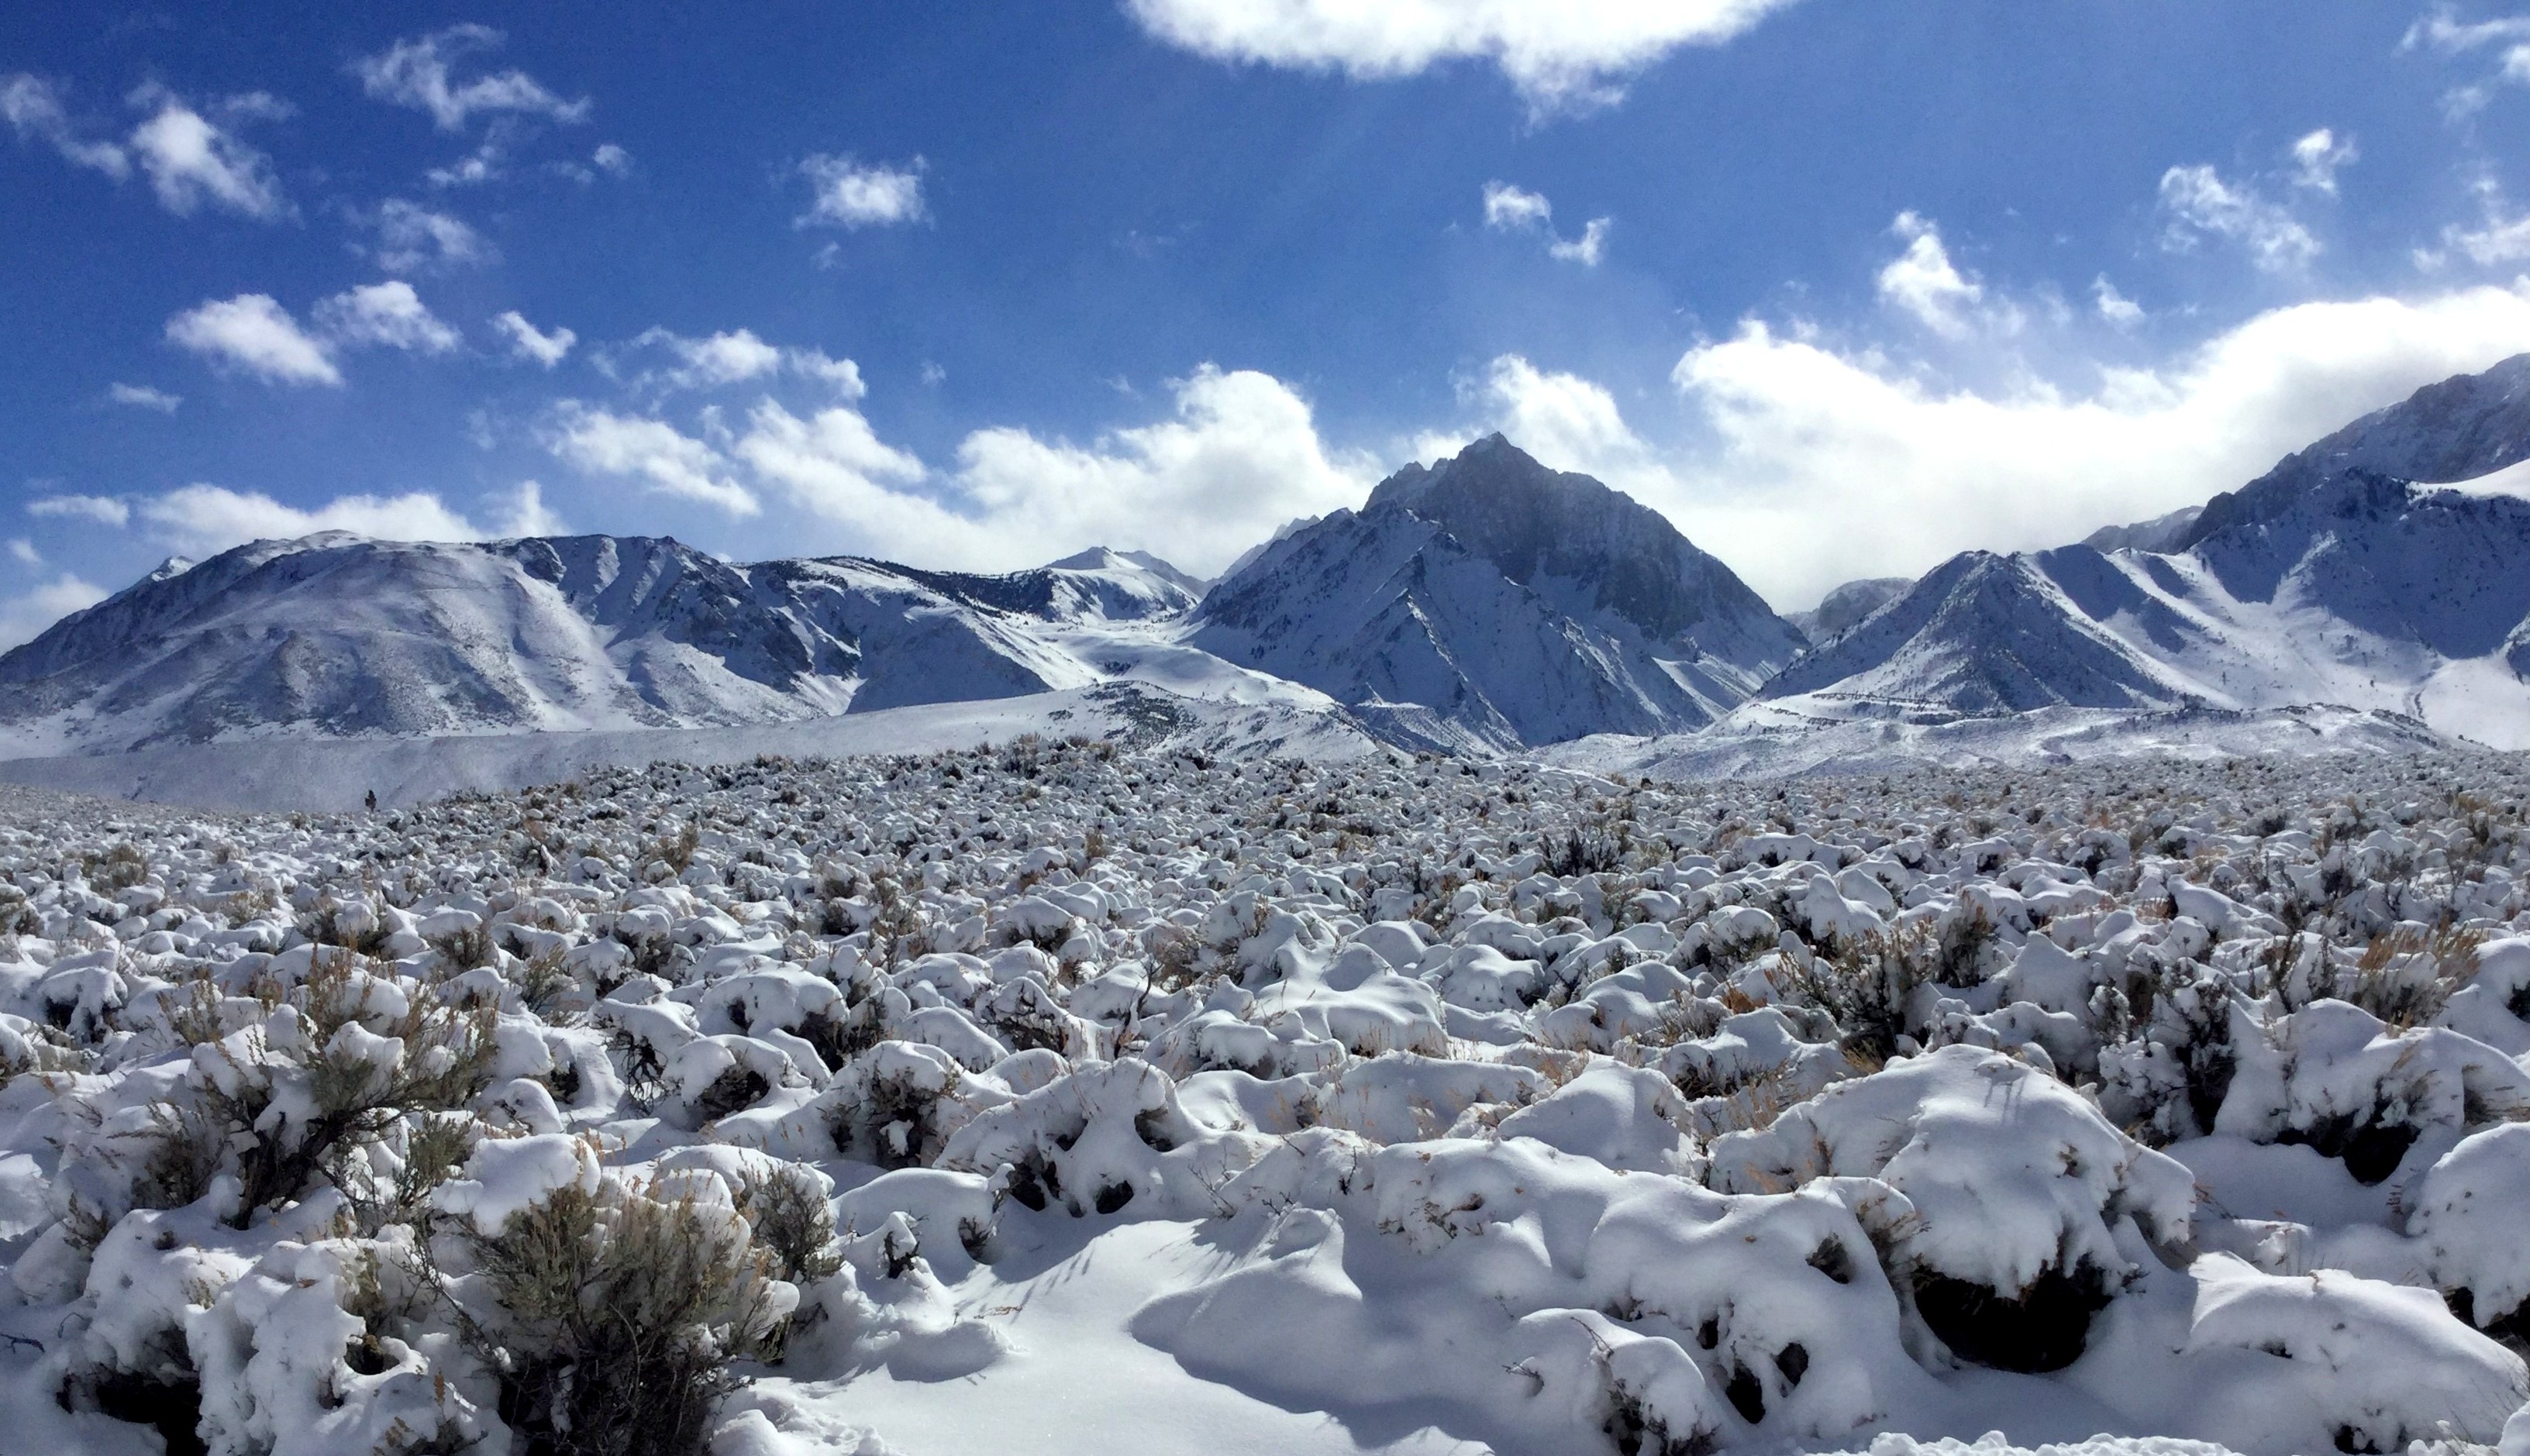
(613, 1316)
(278, 1104)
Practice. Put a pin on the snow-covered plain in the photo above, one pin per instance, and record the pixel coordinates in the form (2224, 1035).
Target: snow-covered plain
(1063, 1097)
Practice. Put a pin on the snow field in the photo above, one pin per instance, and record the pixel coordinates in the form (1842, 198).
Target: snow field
(1053, 1098)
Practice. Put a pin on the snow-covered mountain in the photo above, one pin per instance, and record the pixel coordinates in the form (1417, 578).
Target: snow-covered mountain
(1849, 603)
(2384, 569)
(2379, 579)
(1487, 599)
(338, 635)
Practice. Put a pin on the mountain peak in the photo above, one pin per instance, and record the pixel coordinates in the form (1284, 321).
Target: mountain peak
(2455, 429)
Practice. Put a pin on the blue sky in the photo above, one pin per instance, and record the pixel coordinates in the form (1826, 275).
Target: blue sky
(1843, 288)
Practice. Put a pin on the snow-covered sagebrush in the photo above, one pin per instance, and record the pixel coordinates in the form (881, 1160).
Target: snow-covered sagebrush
(1052, 1098)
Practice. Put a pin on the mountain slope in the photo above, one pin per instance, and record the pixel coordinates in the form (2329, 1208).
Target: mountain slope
(1489, 601)
(2330, 579)
(337, 636)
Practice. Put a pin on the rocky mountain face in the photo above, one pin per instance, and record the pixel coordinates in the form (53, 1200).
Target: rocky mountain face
(1489, 601)
(338, 635)
(2378, 570)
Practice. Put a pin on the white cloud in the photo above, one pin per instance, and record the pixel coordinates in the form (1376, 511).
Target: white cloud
(204, 519)
(721, 358)
(2115, 306)
(1508, 207)
(480, 165)
(1922, 282)
(25, 550)
(736, 356)
(611, 159)
(601, 442)
(1911, 473)
(527, 341)
(2318, 157)
(190, 161)
(1238, 458)
(527, 515)
(2199, 201)
(389, 314)
(102, 509)
(253, 333)
(33, 109)
(849, 194)
(2509, 35)
(413, 237)
(843, 376)
(1564, 420)
(1586, 249)
(25, 618)
(415, 72)
(1560, 53)
(833, 463)
(2498, 239)
(144, 397)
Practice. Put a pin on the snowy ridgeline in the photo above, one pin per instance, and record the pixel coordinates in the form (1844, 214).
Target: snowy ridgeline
(1054, 1099)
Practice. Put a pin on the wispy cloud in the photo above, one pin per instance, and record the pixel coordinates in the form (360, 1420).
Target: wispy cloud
(420, 72)
(2200, 203)
(144, 397)
(1512, 209)
(527, 342)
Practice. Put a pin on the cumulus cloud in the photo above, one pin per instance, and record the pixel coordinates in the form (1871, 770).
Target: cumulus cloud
(2318, 157)
(847, 193)
(254, 332)
(1509, 209)
(103, 510)
(388, 315)
(144, 397)
(2200, 203)
(834, 464)
(25, 617)
(1912, 473)
(1238, 455)
(1923, 283)
(202, 520)
(191, 160)
(527, 342)
(611, 159)
(34, 110)
(1561, 54)
(418, 72)
(1586, 249)
(670, 462)
(412, 239)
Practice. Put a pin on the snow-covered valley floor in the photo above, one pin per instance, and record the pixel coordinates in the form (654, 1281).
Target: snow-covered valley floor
(1063, 1097)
